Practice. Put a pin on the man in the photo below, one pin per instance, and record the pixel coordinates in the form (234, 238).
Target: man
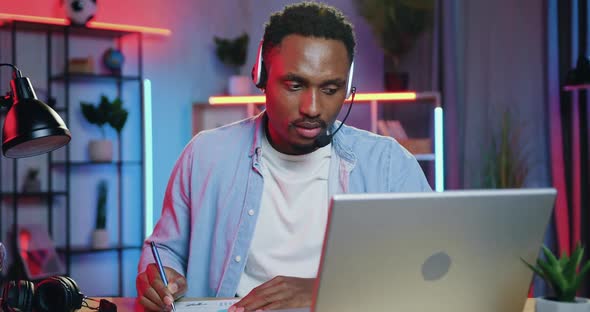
(246, 207)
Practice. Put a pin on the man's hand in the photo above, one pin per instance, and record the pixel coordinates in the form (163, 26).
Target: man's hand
(281, 292)
(151, 292)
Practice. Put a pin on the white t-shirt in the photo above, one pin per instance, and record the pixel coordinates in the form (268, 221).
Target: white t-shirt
(293, 214)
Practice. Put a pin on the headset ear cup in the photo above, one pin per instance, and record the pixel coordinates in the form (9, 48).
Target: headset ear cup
(258, 70)
(349, 81)
(76, 296)
(18, 296)
(29, 292)
(58, 294)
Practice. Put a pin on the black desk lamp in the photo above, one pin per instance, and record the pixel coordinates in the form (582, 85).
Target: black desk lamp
(31, 127)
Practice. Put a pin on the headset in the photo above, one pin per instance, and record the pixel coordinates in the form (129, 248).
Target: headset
(259, 77)
(54, 294)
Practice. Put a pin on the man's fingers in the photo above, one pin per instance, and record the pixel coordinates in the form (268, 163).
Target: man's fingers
(272, 283)
(276, 305)
(148, 304)
(180, 284)
(164, 293)
(266, 302)
(146, 290)
(258, 299)
(157, 283)
(262, 292)
(152, 272)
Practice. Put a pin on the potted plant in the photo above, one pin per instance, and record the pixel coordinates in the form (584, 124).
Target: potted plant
(100, 236)
(232, 52)
(106, 112)
(397, 24)
(564, 276)
(504, 165)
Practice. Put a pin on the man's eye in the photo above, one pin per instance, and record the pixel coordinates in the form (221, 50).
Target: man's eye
(293, 86)
(330, 91)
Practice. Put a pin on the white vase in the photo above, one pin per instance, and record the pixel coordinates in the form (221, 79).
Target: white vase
(100, 150)
(239, 85)
(546, 305)
(100, 239)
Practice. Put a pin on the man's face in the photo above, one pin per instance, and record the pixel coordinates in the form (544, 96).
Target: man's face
(305, 90)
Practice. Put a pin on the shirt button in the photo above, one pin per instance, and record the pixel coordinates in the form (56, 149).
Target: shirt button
(238, 258)
(251, 212)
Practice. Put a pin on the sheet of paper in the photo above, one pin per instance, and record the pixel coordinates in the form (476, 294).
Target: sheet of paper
(204, 305)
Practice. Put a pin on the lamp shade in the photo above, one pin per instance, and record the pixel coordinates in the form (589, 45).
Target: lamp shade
(32, 128)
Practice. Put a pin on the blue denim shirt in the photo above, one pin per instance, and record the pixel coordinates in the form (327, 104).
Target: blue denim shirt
(214, 193)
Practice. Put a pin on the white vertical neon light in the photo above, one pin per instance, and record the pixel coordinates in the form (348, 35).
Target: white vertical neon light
(439, 173)
(149, 174)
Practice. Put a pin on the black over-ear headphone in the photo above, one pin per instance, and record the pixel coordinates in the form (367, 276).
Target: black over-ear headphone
(55, 294)
(259, 75)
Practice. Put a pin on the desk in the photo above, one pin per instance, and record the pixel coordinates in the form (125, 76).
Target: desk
(128, 305)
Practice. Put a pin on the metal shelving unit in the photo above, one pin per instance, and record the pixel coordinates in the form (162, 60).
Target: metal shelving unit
(14, 199)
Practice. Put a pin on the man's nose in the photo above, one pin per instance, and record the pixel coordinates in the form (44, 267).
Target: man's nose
(309, 103)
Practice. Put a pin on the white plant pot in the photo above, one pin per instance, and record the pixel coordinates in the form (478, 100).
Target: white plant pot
(100, 150)
(239, 85)
(545, 305)
(100, 239)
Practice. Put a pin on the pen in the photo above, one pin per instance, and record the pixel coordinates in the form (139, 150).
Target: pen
(160, 267)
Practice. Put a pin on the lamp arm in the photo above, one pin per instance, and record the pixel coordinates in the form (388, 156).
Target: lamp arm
(6, 100)
(24, 86)
(15, 71)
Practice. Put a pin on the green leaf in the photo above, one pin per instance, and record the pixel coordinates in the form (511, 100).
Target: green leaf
(534, 269)
(551, 258)
(580, 277)
(118, 120)
(232, 52)
(569, 271)
(117, 104)
(554, 276)
(105, 112)
(89, 112)
(563, 261)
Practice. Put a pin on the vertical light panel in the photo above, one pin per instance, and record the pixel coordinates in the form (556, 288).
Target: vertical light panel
(439, 165)
(148, 156)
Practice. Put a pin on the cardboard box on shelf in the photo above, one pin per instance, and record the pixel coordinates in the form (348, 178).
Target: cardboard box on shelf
(417, 146)
(81, 65)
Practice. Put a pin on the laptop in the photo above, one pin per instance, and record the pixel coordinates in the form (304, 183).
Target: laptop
(447, 252)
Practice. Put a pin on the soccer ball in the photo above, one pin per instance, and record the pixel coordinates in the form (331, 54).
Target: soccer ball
(80, 11)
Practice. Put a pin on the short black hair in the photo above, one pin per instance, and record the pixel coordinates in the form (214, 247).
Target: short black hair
(309, 19)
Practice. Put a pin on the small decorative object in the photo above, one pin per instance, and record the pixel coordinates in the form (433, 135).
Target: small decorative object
(81, 65)
(417, 146)
(100, 236)
(113, 60)
(106, 112)
(564, 276)
(32, 182)
(80, 12)
(395, 129)
(232, 52)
